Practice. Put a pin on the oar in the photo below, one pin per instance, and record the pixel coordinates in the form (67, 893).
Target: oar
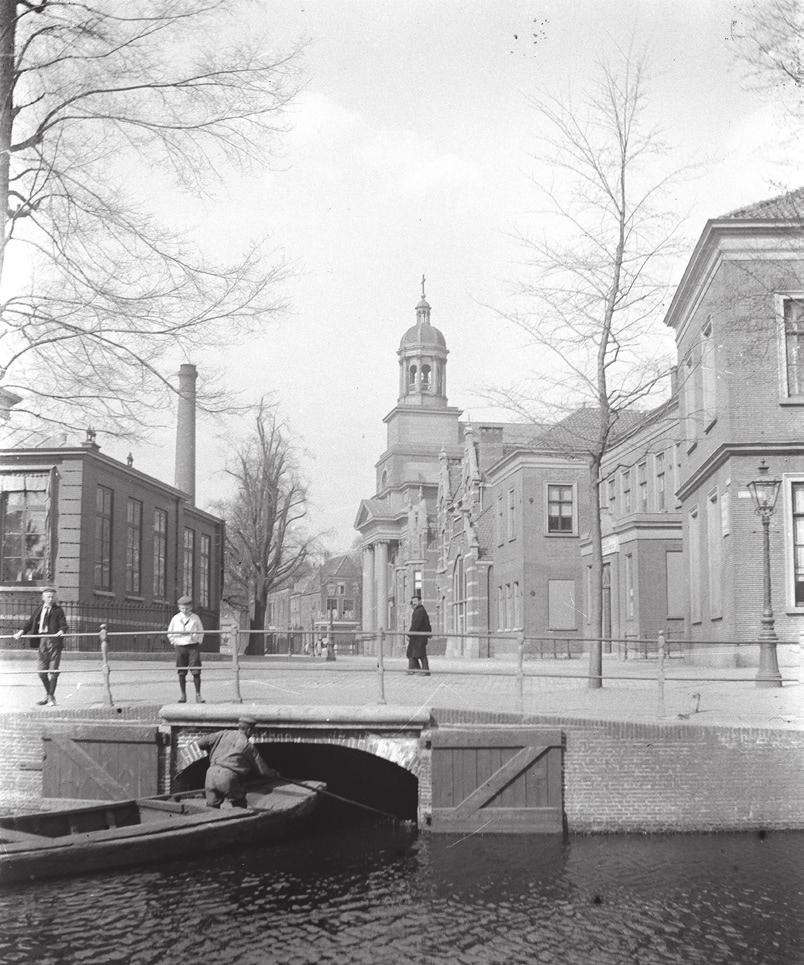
(345, 800)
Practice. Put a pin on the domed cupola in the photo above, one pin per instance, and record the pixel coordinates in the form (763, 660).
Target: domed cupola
(423, 361)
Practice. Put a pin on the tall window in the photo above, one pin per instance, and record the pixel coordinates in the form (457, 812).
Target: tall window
(133, 546)
(695, 565)
(611, 486)
(708, 375)
(642, 482)
(660, 496)
(23, 527)
(160, 554)
(798, 542)
(629, 586)
(103, 538)
(511, 518)
(204, 567)
(417, 582)
(425, 377)
(627, 505)
(794, 345)
(458, 597)
(500, 520)
(500, 608)
(517, 603)
(690, 396)
(560, 509)
(188, 563)
(714, 545)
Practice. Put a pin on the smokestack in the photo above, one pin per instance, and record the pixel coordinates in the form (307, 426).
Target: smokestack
(185, 432)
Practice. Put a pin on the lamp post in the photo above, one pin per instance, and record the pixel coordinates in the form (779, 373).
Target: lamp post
(764, 492)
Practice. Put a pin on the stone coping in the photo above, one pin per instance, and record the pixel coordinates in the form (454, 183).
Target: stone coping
(374, 717)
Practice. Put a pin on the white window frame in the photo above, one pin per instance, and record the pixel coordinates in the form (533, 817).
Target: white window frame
(779, 300)
(786, 508)
(575, 508)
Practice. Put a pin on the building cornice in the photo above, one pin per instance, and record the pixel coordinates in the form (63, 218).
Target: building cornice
(727, 239)
(32, 460)
(728, 449)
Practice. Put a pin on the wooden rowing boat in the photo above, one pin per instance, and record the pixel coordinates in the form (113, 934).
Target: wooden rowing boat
(118, 834)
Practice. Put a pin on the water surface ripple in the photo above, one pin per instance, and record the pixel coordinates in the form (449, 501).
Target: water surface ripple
(376, 894)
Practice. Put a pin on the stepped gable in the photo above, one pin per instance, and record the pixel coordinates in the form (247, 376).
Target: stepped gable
(781, 208)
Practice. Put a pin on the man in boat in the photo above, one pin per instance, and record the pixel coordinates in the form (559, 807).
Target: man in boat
(46, 629)
(185, 632)
(232, 757)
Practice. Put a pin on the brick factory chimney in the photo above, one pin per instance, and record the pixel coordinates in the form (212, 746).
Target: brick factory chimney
(185, 431)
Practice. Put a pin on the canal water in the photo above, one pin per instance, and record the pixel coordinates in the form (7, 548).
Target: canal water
(378, 893)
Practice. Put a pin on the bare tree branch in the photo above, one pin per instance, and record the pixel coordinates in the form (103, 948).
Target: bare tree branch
(86, 91)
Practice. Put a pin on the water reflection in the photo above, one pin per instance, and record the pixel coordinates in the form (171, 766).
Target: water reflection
(378, 894)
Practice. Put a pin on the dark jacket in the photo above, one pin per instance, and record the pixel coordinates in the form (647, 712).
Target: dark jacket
(419, 623)
(56, 620)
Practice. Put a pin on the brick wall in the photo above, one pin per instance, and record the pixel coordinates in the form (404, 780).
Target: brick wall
(672, 777)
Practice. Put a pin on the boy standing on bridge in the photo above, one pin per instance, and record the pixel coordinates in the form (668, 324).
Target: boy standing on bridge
(185, 632)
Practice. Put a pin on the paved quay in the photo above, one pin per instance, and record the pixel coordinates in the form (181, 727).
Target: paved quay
(554, 688)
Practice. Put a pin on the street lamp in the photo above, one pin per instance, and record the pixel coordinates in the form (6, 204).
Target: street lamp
(764, 492)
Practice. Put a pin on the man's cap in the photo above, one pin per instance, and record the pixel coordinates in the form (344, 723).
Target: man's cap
(248, 721)
(49, 589)
(184, 599)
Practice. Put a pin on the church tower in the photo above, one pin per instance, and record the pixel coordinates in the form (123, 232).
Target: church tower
(397, 523)
(423, 362)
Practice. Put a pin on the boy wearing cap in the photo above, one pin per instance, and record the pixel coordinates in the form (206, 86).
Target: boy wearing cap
(46, 628)
(185, 632)
(232, 757)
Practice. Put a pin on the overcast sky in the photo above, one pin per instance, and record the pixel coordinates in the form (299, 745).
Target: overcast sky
(410, 154)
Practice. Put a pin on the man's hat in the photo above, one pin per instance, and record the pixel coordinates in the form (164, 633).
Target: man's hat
(184, 599)
(248, 721)
(49, 589)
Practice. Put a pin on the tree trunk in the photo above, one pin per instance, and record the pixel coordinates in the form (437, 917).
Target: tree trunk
(596, 582)
(8, 21)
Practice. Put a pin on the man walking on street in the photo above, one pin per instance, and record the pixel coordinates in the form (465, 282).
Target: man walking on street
(232, 757)
(49, 625)
(417, 644)
(185, 633)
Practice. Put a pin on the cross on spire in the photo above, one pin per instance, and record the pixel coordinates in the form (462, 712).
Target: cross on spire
(423, 280)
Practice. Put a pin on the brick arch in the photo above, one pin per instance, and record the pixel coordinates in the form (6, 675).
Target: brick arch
(403, 750)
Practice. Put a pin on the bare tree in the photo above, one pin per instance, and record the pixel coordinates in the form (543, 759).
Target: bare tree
(598, 276)
(768, 35)
(266, 540)
(97, 96)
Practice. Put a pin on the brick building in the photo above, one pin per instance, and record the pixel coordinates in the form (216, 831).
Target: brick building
(490, 521)
(120, 546)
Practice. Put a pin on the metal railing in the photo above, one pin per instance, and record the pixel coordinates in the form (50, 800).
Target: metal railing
(526, 657)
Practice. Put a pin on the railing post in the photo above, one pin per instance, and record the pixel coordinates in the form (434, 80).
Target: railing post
(235, 644)
(520, 671)
(660, 643)
(381, 664)
(104, 648)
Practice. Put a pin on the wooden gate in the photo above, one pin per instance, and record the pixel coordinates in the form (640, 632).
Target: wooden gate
(497, 779)
(101, 762)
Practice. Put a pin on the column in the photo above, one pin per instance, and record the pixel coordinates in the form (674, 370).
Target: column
(381, 572)
(368, 589)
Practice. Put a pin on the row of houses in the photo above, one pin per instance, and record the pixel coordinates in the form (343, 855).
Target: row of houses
(491, 521)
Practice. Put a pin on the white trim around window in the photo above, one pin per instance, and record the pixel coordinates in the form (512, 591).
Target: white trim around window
(786, 507)
(779, 300)
(573, 486)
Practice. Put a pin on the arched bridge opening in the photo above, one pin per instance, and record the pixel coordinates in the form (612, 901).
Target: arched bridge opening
(360, 785)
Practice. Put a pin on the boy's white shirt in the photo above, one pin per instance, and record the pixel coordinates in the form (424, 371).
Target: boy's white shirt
(185, 630)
